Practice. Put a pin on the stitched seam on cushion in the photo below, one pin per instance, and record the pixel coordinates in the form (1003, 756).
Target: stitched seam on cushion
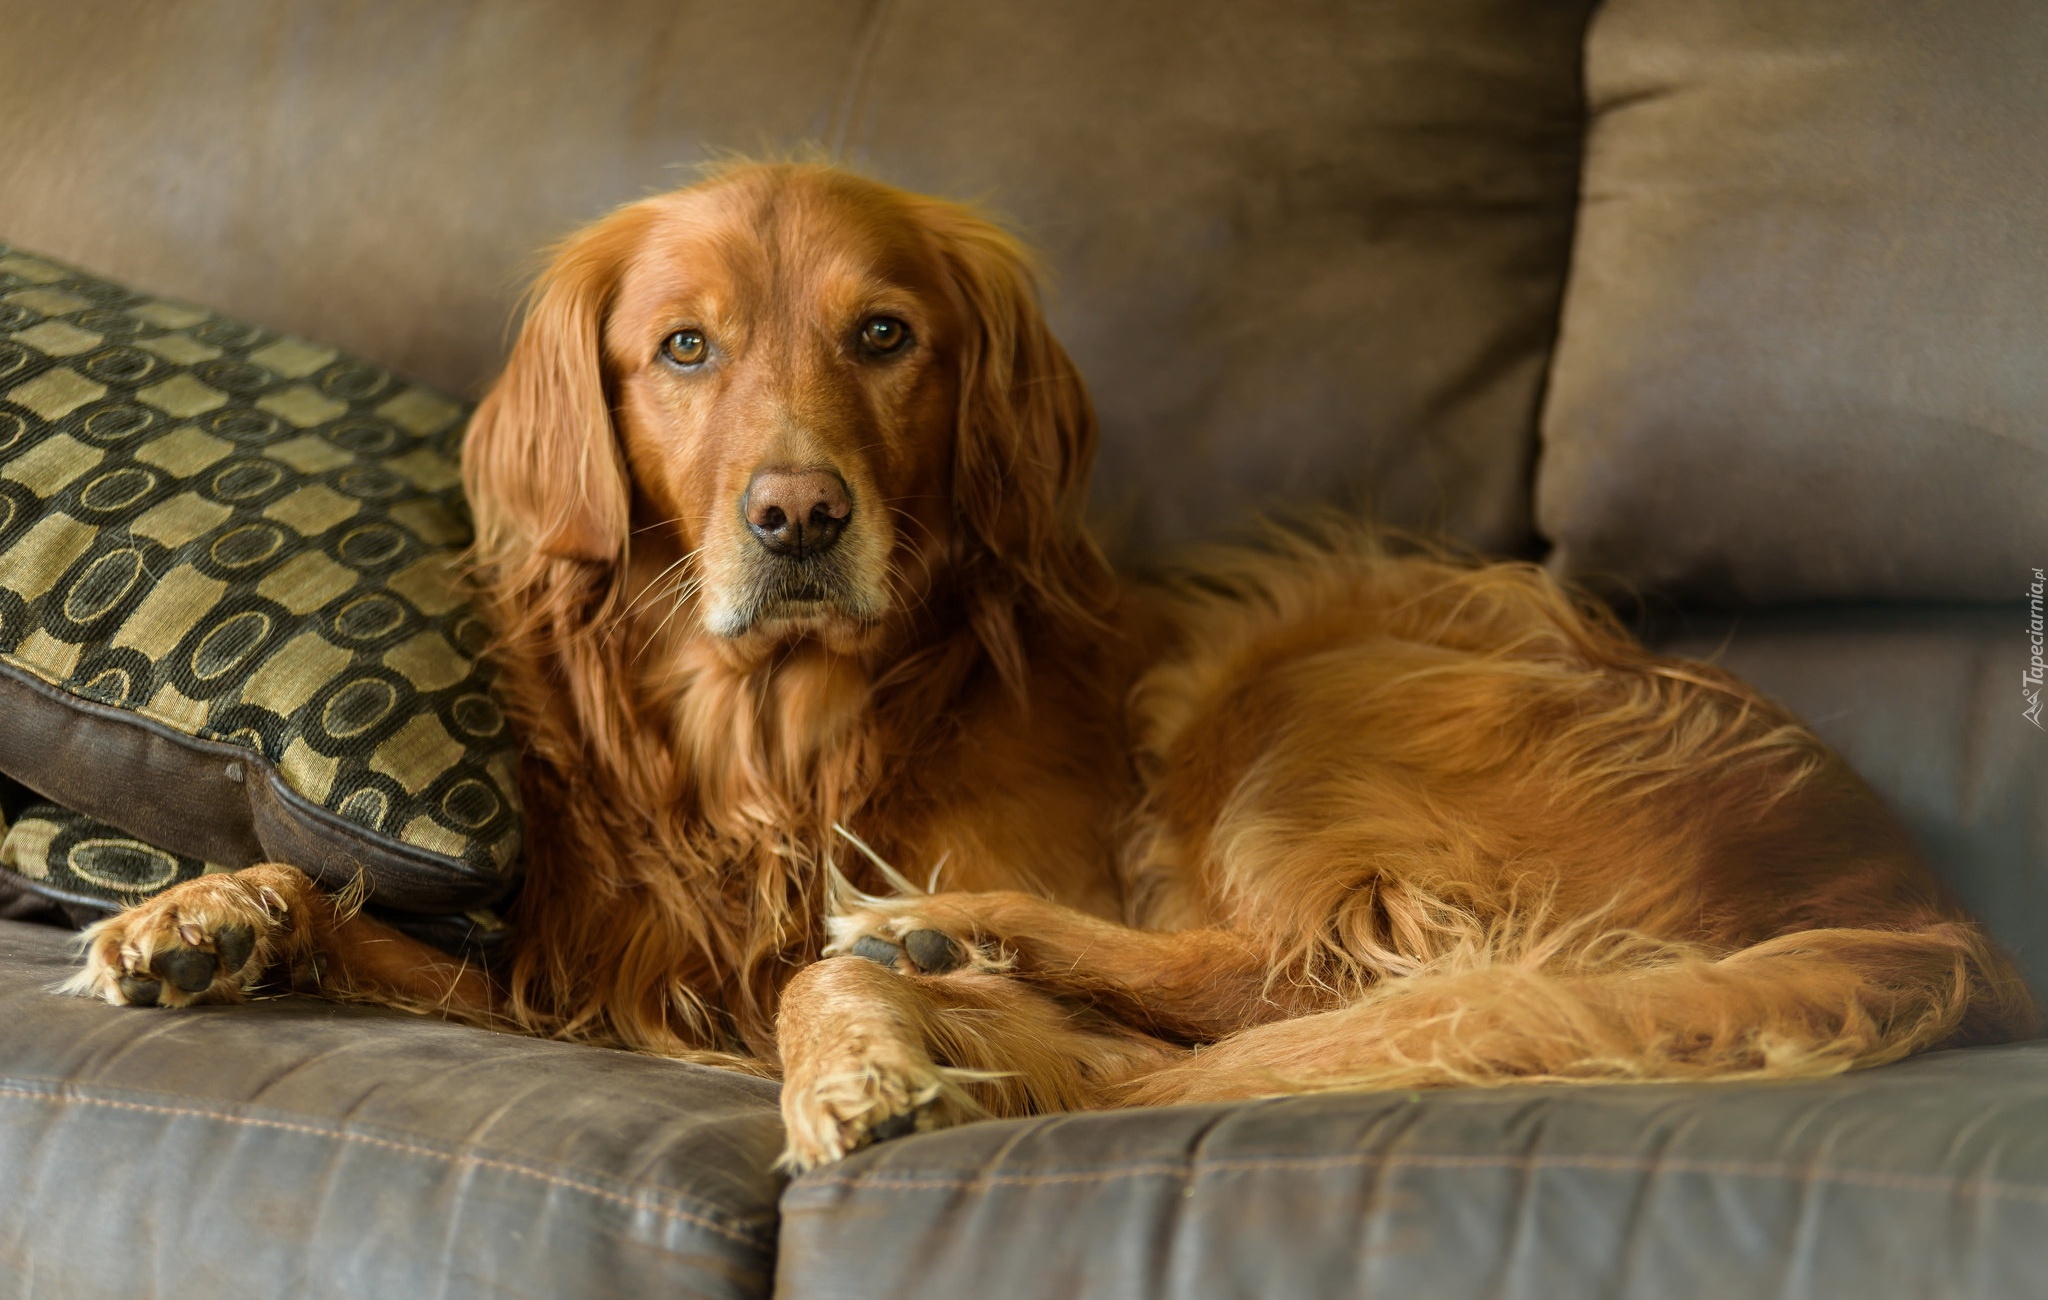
(1613, 1164)
(744, 1236)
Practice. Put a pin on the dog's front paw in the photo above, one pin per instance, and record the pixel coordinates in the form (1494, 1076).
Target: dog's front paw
(206, 940)
(865, 1093)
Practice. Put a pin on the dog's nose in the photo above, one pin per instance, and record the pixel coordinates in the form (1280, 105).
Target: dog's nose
(797, 512)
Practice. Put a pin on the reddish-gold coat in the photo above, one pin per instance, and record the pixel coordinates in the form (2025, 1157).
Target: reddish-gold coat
(1318, 814)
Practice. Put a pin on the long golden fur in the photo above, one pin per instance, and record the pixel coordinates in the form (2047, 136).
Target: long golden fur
(1322, 813)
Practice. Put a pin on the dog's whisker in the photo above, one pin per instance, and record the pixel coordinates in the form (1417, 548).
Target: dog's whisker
(654, 589)
(841, 894)
(900, 513)
(654, 584)
(659, 628)
(897, 880)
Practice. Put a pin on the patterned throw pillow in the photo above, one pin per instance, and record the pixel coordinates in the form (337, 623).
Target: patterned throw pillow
(69, 857)
(231, 619)
(98, 869)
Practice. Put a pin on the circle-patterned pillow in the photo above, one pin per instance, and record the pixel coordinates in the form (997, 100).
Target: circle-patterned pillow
(232, 621)
(99, 869)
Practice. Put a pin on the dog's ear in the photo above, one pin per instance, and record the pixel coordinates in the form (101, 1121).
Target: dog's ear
(542, 463)
(1026, 432)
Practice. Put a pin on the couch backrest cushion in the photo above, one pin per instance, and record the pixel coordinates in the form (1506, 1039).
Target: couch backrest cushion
(1302, 253)
(1803, 348)
(232, 620)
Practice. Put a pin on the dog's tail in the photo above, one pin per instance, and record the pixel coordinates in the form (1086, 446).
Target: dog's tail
(1809, 1003)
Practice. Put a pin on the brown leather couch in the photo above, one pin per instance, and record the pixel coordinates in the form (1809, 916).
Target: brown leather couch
(1730, 305)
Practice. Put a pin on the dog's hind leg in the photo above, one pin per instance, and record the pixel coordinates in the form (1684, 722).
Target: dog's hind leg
(219, 937)
(1807, 1003)
(1194, 985)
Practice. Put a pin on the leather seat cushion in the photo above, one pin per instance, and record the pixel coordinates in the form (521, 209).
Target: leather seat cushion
(1800, 356)
(1925, 1178)
(301, 1148)
(1298, 258)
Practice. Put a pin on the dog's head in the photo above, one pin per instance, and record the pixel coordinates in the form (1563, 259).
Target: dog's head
(828, 398)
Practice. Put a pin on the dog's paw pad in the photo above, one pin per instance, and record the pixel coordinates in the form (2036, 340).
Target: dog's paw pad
(905, 935)
(190, 969)
(877, 950)
(235, 945)
(895, 1126)
(934, 951)
(138, 991)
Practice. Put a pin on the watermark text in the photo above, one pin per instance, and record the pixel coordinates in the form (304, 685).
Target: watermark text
(2037, 666)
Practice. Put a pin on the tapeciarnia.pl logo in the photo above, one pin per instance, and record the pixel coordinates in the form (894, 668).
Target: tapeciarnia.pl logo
(2030, 685)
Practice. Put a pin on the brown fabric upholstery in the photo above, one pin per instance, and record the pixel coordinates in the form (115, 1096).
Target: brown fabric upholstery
(1298, 258)
(1802, 352)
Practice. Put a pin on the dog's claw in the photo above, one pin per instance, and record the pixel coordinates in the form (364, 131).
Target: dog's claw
(190, 969)
(934, 951)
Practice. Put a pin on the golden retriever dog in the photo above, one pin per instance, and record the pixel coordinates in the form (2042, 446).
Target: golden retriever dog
(846, 752)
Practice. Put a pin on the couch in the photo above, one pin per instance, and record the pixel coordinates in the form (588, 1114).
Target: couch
(1726, 308)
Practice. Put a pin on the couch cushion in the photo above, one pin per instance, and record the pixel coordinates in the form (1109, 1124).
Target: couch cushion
(1928, 704)
(1801, 352)
(1921, 1179)
(301, 1148)
(1301, 254)
(1299, 258)
(230, 620)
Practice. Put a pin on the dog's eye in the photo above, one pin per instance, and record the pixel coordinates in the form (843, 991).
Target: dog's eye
(685, 348)
(883, 334)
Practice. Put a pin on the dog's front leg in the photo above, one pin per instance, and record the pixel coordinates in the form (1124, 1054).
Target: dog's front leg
(870, 1052)
(219, 937)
